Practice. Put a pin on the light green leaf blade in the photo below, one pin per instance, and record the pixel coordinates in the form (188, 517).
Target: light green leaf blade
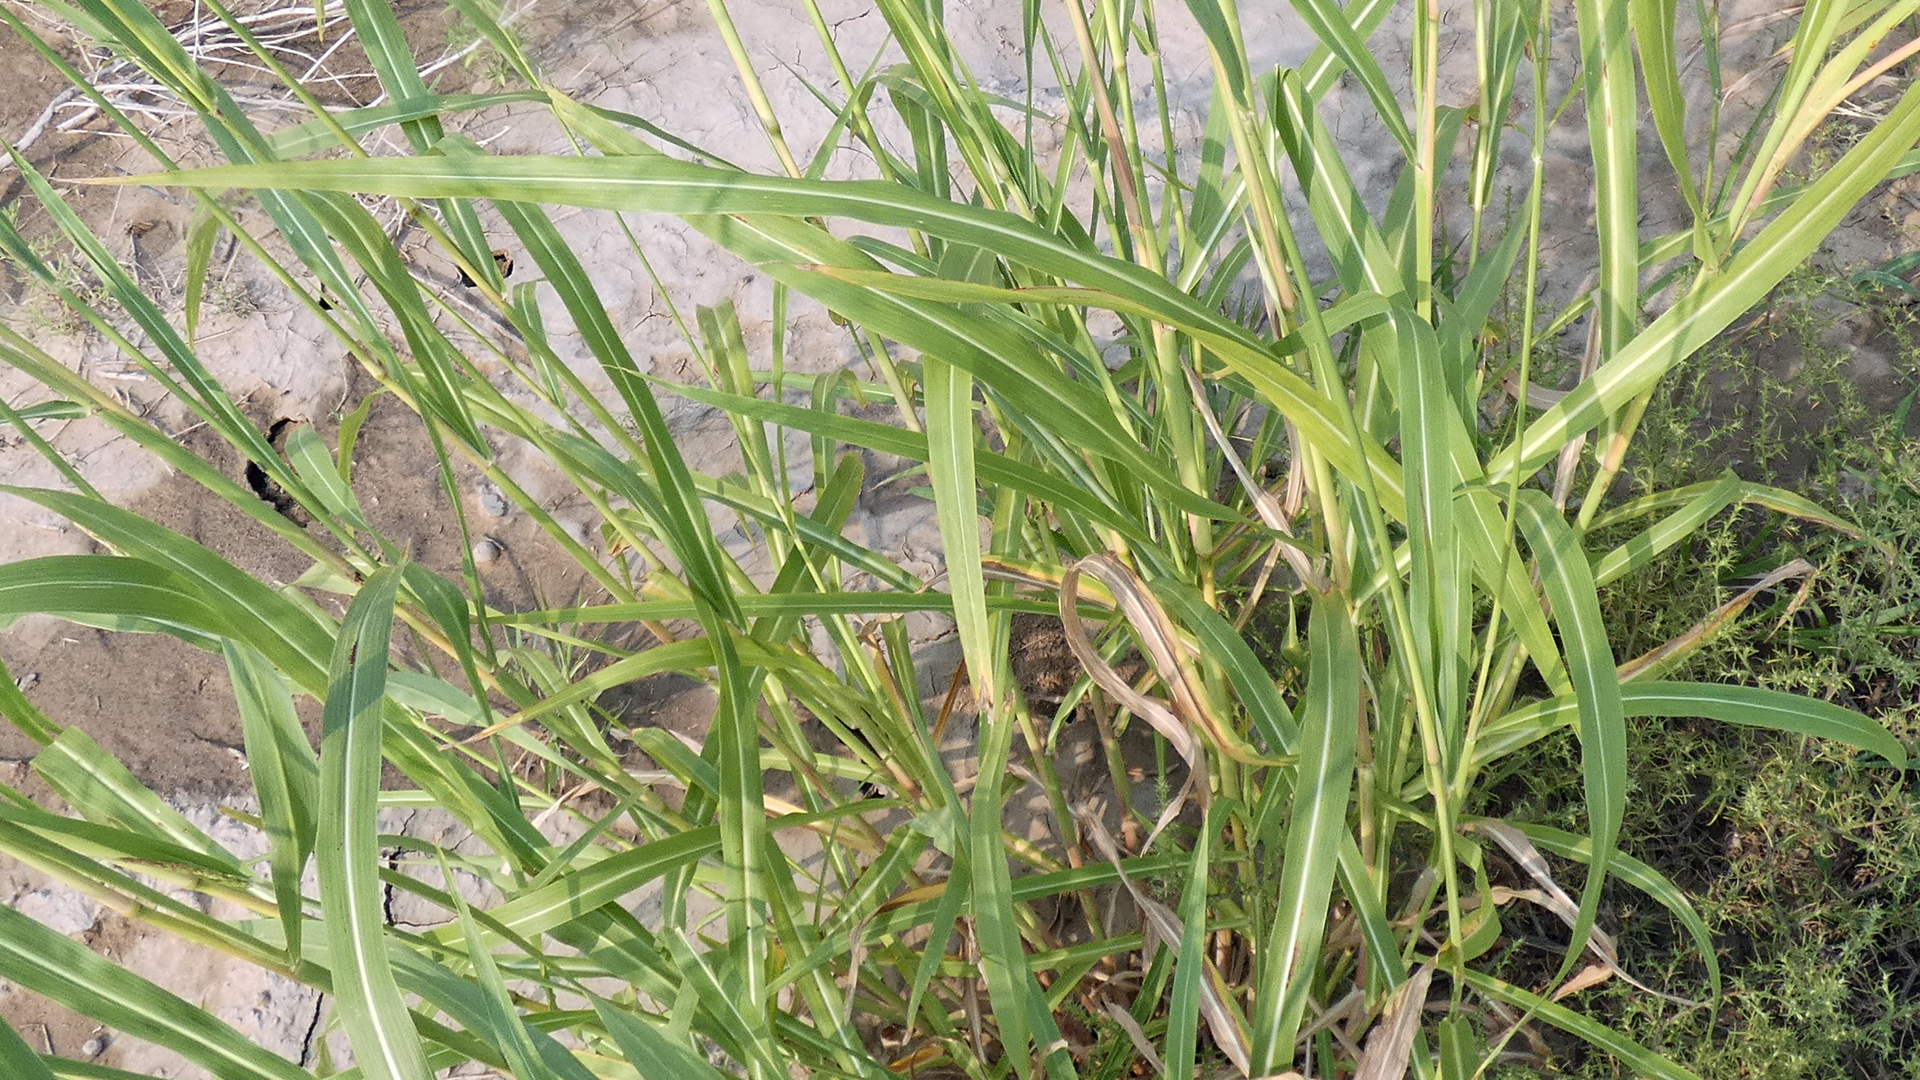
(504, 1026)
(1751, 706)
(95, 589)
(286, 777)
(293, 637)
(67, 972)
(1653, 26)
(101, 787)
(1221, 643)
(950, 438)
(312, 136)
(1644, 1062)
(754, 216)
(1663, 534)
(1190, 968)
(17, 1059)
(1003, 957)
(314, 463)
(588, 888)
(1329, 724)
(373, 1013)
(1436, 596)
(201, 234)
(1340, 36)
(1567, 579)
(1612, 131)
(647, 1049)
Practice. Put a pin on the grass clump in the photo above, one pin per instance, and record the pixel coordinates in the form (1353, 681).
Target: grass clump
(1264, 869)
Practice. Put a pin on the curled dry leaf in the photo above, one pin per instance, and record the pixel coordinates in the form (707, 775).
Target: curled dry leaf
(1590, 976)
(1555, 899)
(1161, 643)
(1390, 1045)
(1136, 1035)
(1156, 638)
(1719, 617)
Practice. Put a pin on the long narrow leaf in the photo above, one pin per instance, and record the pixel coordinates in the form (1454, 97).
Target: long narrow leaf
(383, 1037)
(1329, 725)
(1568, 581)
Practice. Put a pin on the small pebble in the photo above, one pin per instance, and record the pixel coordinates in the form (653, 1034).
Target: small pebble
(92, 1047)
(491, 501)
(27, 682)
(487, 550)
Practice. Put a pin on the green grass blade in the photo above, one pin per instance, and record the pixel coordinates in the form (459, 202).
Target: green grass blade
(1329, 725)
(1335, 33)
(1190, 968)
(1612, 131)
(994, 468)
(647, 1049)
(68, 973)
(1754, 706)
(313, 463)
(950, 439)
(446, 604)
(101, 788)
(1483, 528)
(1466, 318)
(1653, 26)
(1642, 1061)
(584, 890)
(1748, 705)
(1642, 877)
(948, 908)
(1436, 594)
(750, 1037)
(733, 745)
(1360, 254)
(1003, 957)
(1668, 531)
(385, 44)
(1219, 642)
(291, 635)
(23, 714)
(503, 1023)
(383, 1037)
(286, 777)
(313, 136)
(1376, 926)
(201, 234)
(753, 215)
(17, 1059)
(1323, 67)
(130, 592)
(1567, 579)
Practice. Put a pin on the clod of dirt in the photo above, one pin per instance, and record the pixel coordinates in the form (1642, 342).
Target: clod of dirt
(492, 503)
(1043, 665)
